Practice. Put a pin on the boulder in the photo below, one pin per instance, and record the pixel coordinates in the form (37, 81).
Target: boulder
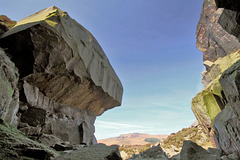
(192, 151)
(49, 140)
(154, 153)
(95, 152)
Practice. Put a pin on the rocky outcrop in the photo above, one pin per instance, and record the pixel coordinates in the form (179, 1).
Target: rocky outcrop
(212, 39)
(216, 106)
(226, 124)
(61, 82)
(211, 100)
(190, 151)
(172, 145)
(95, 152)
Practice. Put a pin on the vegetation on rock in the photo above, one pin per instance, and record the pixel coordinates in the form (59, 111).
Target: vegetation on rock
(173, 144)
(15, 145)
(152, 140)
(130, 150)
(8, 22)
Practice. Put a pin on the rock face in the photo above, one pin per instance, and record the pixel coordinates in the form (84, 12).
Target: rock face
(61, 82)
(211, 100)
(212, 39)
(14, 145)
(226, 124)
(217, 106)
(8, 89)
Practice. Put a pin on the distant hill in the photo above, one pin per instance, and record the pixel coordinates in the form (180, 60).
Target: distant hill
(132, 139)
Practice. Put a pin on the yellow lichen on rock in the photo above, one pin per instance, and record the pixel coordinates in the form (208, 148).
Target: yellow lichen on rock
(208, 103)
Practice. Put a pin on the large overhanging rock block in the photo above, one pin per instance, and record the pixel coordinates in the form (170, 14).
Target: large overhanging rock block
(63, 60)
(212, 39)
(9, 95)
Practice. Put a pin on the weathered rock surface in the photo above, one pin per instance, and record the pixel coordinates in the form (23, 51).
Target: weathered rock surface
(68, 123)
(211, 100)
(230, 21)
(191, 151)
(212, 39)
(65, 77)
(227, 123)
(95, 152)
(8, 89)
(15, 146)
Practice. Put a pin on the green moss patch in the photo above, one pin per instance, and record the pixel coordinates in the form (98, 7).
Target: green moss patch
(15, 145)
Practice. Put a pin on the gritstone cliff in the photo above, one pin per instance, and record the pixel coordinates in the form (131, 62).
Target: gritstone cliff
(217, 106)
(55, 79)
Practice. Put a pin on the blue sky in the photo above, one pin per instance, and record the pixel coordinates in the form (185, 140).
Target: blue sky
(151, 46)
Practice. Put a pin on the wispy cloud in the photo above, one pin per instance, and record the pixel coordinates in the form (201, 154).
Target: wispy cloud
(116, 125)
(114, 129)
